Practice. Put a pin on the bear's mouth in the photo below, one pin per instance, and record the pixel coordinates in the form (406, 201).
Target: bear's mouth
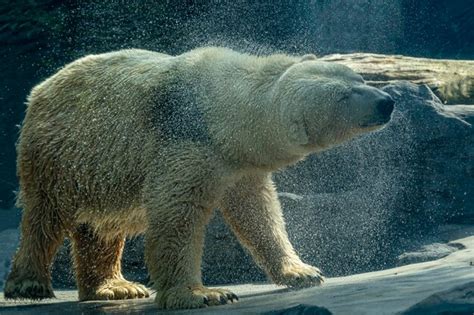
(380, 121)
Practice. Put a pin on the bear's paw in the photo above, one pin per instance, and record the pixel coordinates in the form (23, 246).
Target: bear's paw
(117, 289)
(300, 275)
(193, 297)
(25, 288)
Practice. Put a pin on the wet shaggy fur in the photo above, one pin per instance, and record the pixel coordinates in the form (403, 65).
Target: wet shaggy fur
(134, 142)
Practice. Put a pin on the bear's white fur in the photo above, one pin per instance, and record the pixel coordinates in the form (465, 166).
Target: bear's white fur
(136, 141)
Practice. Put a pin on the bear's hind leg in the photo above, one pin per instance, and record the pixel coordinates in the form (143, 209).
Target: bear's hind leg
(42, 232)
(98, 268)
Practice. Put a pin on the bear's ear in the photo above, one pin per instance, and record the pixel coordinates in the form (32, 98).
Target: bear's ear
(298, 133)
(308, 57)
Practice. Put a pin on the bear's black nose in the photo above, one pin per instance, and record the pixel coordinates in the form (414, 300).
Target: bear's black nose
(385, 106)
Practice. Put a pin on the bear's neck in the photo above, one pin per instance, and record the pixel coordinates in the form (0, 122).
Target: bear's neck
(245, 125)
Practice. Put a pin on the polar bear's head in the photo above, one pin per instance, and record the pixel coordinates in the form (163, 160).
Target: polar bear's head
(323, 104)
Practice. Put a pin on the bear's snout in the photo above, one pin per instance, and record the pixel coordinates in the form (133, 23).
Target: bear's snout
(385, 107)
(375, 106)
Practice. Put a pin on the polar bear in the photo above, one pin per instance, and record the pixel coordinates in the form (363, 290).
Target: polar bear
(134, 141)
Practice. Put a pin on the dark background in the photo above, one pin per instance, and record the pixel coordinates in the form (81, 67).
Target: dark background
(38, 37)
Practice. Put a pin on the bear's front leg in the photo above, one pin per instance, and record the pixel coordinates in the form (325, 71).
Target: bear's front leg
(253, 211)
(179, 198)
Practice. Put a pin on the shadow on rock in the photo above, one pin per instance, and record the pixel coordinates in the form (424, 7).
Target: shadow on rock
(301, 309)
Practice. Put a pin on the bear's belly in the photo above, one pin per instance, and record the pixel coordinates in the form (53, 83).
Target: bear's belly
(117, 222)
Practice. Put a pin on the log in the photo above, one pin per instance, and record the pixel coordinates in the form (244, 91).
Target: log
(451, 80)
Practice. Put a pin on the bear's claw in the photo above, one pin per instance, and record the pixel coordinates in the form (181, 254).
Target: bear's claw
(224, 299)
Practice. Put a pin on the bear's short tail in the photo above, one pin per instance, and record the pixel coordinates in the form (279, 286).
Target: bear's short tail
(19, 199)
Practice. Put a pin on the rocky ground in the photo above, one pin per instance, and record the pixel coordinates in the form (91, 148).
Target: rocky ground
(443, 285)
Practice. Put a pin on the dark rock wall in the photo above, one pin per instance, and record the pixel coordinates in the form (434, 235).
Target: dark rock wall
(360, 201)
(37, 37)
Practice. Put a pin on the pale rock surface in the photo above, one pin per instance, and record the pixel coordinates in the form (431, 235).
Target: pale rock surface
(443, 284)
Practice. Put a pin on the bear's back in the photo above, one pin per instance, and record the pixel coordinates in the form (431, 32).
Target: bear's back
(85, 126)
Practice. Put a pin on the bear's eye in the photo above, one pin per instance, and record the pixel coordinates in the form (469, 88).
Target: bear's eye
(357, 91)
(343, 98)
